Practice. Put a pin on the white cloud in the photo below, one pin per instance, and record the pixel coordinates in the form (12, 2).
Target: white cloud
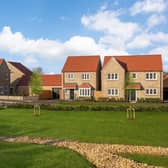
(33, 51)
(140, 41)
(164, 51)
(108, 22)
(155, 20)
(148, 6)
(145, 40)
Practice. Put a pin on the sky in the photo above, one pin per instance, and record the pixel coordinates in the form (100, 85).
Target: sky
(42, 33)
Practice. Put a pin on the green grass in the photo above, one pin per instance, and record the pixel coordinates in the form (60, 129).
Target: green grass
(149, 159)
(16, 155)
(149, 128)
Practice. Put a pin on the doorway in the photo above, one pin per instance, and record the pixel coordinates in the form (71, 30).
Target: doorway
(71, 94)
(132, 95)
(55, 93)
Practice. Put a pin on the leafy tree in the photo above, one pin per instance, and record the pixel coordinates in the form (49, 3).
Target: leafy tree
(38, 69)
(128, 80)
(36, 83)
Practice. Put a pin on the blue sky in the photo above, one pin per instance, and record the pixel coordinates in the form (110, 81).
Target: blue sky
(44, 32)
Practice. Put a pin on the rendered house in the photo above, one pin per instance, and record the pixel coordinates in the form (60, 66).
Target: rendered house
(20, 78)
(52, 86)
(146, 74)
(81, 77)
(4, 78)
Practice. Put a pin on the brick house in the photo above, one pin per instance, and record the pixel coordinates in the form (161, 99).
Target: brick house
(81, 77)
(51, 86)
(4, 78)
(146, 75)
(19, 79)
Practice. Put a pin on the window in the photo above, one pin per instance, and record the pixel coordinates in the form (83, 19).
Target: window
(151, 91)
(112, 76)
(113, 92)
(134, 75)
(70, 76)
(151, 76)
(85, 76)
(86, 92)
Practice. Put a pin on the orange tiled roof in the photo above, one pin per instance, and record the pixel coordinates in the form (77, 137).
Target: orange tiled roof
(138, 63)
(136, 86)
(85, 85)
(51, 80)
(70, 85)
(81, 64)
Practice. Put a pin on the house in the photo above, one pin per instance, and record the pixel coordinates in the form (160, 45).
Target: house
(165, 87)
(19, 79)
(132, 77)
(51, 86)
(4, 78)
(81, 77)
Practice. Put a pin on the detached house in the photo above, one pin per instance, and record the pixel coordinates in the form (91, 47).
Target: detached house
(4, 78)
(81, 77)
(145, 75)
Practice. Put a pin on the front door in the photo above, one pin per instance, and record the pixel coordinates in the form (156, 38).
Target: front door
(71, 94)
(132, 95)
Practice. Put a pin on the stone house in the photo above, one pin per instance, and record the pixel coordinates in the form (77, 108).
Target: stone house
(81, 77)
(4, 78)
(145, 71)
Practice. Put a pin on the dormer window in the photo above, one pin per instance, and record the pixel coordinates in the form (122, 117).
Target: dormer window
(113, 76)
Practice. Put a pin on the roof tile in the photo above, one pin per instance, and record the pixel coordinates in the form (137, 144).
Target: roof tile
(138, 63)
(51, 80)
(81, 64)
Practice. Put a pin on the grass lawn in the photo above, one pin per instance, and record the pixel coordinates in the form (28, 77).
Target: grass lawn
(149, 159)
(149, 128)
(39, 156)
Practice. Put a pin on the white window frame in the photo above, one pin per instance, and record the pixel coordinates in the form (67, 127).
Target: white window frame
(84, 92)
(112, 76)
(135, 75)
(151, 74)
(113, 92)
(151, 91)
(85, 76)
(70, 76)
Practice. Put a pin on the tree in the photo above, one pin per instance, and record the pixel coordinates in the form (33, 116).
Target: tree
(36, 83)
(128, 80)
(38, 69)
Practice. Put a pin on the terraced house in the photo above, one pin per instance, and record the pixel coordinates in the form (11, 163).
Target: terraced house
(145, 73)
(4, 78)
(81, 77)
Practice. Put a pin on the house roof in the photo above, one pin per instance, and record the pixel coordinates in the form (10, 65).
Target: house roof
(81, 64)
(25, 79)
(21, 68)
(70, 86)
(137, 86)
(138, 63)
(85, 85)
(51, 80)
